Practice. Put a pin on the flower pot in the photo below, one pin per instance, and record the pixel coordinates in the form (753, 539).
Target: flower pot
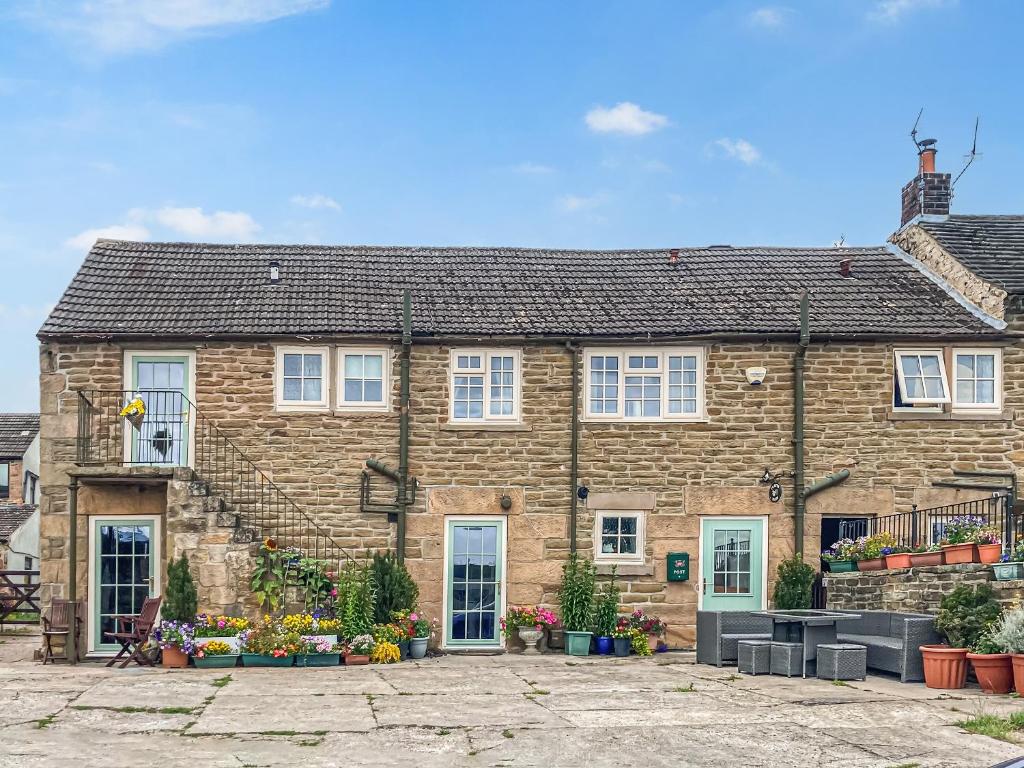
(944, 667)
(265, 660)
(418, 647)
(216, 662)
(875, 564)
(231, 640)
(403, 648)
(1008, 571)
(530, 637)
(556, 638)
(993, 670)
(920, 559)
(173, 658)
(356, 659)
(901, 560)
(842, 566)
(577, 643)
(332, 639)
(318, 660)
(652, 642)
(1018, 672)
(622, 646)
(958, 553)
(989, 553)
(604, 645)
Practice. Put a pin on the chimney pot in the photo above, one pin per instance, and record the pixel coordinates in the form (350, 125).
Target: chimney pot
(673, 256)
(929, 192)
(844, 267)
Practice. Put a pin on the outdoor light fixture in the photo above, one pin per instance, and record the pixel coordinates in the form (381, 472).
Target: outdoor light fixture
(506, 502)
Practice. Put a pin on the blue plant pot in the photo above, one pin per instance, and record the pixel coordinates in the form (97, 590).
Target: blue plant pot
(604, 645)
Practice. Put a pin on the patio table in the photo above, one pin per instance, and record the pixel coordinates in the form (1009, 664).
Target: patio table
(809, 627)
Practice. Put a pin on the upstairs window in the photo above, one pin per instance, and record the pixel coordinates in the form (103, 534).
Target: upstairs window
(957, 379)
(921, 376)
(5, 480)
(302, 377)
(665, 384)
(977, 379)
(364, 378)
(485, 385)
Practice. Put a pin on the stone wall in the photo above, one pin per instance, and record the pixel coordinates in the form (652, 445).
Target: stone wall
(914, 590)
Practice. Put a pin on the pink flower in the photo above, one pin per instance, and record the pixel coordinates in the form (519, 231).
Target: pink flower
(221, 624)
(413, 617)
(334, 593)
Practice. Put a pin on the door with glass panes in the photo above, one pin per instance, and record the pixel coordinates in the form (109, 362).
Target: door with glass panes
(732, 564)
(125, 556)
(475, 569)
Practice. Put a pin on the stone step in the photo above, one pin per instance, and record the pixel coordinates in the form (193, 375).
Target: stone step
(198, 488)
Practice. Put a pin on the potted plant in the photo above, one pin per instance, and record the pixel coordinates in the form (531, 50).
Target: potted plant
(400, 619)
(175, 641)
(840, 557)
(870, 557)
(385, 652)
(576, 599)
(992, 666)
(556, 637)
(606, 616)
(989, 544)
(269, 645)
(224, 629)
(214, 654)
(178, 611)
(318, 652)
(964, 615)
(358, 649)
(925, 555)
(650, 628)
(1008, 633)
(314, 625)
(1010, 565)
(622, 637)
(958, 539)
(896, 557)
(528, 624)
(794, 584)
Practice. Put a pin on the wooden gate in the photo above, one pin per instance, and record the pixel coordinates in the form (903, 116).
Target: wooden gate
(19, 597)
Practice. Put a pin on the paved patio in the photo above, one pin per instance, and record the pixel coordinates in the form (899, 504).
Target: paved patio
(479, 711)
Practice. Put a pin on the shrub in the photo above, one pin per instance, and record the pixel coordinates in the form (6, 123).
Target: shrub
(394, 589)
(180, 598)
(794, 584)
(607, 611)
(356, 599)
(1008, 631)
(966, 613)
(576, 595)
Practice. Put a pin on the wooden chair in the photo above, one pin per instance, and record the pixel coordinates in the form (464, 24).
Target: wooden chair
(58, 624)
(133, 634)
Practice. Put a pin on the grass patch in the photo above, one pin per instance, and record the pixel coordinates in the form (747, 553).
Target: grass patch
(993, 726)
(841, 684)
(508, 734)
(46, 721)
(139, 710)
(443, 731)
(687, 689)
(541, 692)
(731, 678)
(220, 682)
(907, 765)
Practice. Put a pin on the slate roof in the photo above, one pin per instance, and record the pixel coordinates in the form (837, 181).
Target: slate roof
(189, 290)
(11, 518)
(990, 246)
(17, 431)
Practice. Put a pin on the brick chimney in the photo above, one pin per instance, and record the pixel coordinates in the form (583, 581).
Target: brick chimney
(929, 192)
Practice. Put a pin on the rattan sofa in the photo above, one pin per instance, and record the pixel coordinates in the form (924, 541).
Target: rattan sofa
(719, 633)
(892, 640)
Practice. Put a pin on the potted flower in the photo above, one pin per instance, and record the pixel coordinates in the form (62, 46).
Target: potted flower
(358, 649)
(576, 599)
(313, 625)
(400, 619)
(622, 637)
(224, 629)
(1010, 565)
(992, 667)
(840, 557)
(606, 616)
(870, 556)
(1008, 633)
(214, 654)
(318, 651)
(964, 616)
(270, 645)
(528, 623)
(958, 539)
(989, 544)
(897, 556)
(176, 643)
(925, 555)
(421, 629)
(651, 628)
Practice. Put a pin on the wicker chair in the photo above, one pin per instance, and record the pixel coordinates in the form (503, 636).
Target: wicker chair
(719, 633)
(892, 640)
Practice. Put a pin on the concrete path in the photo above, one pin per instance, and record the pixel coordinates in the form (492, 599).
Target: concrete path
(545, 711)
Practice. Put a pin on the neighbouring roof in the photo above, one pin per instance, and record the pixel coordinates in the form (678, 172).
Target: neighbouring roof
(990, 246)
(12, 516)
(189, 289)
(17, 430)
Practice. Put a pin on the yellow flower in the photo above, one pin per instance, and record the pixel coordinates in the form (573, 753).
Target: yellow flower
(385, 653)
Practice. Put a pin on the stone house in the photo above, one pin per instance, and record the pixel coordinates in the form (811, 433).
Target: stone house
(19, 491)
(633, 405)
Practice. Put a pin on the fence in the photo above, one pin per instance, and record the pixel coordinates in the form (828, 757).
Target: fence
(19, 599)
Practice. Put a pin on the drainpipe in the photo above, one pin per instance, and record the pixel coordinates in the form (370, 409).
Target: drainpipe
(71, 651)
(826, 482)
(574, 443)
(403, 421)
(798, 425)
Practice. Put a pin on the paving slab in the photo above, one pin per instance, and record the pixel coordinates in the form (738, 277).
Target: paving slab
(307, 682)
(153, 691)
(30, 706)
(113, 721)
(459, 710)
(454, 680)
(285, 713)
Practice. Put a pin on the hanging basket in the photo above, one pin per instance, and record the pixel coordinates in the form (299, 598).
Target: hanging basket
(135, 413)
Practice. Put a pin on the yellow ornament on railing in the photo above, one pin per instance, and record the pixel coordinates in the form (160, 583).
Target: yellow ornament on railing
(135, 412)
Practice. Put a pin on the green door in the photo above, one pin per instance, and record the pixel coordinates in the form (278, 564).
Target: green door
(475, 571)
(123, 563)
(162, 384)
(732, 564)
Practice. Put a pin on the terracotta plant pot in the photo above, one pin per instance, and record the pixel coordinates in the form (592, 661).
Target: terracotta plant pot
(993, 670)
(875, 564)
(652, 642)
(989, 553)
(356, 660)
(1018, 672)
(173, 658)
(920, 559)
(944, 667)
(958, 553)
(902, 560)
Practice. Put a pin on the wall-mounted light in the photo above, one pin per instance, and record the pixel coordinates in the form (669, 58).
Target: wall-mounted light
(506, 502)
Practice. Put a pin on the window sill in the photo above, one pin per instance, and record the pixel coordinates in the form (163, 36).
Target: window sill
(593, 421)
(484, 427)
(1005, 415)
(624, 569)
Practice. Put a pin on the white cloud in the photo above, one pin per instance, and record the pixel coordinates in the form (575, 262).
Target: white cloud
(226, 225)
(893, 11)
(316, 201)
(740, 149)
(83, 241)
(121, 26)
(625, 117)
(769, 17)
(532, 169)
(577, 203)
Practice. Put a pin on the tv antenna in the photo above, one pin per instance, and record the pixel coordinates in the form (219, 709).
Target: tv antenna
(913, 131)
(970, 156)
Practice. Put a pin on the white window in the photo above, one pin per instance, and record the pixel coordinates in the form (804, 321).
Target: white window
(619, 537)
(363, 378)
(644, 384)
(921, 377)
(302, 377)
(977, 375)
(485, 385)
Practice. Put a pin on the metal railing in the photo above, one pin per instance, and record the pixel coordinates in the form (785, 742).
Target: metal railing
(173, 432)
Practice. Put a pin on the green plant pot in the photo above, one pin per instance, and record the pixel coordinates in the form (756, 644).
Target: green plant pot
(216, 662)
(577, 643)
(1008, 571)
(842, 566)
(318, 660)
(260, 660)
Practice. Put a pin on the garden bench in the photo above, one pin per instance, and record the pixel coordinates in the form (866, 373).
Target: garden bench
(719, 633)
(892, 640)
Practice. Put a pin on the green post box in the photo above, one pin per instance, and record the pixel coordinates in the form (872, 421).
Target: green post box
(678, 566)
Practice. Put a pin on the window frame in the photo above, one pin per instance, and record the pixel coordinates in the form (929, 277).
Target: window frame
(639, 557)
(323, 403)
(7, 493)
(912, 403)
(623, 354)
(996, 406)
(485, 354)
(363, 406)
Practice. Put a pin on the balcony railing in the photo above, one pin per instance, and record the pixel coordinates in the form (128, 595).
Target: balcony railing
(173, 432)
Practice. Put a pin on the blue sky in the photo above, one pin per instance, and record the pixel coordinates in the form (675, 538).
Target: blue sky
(589, 124)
